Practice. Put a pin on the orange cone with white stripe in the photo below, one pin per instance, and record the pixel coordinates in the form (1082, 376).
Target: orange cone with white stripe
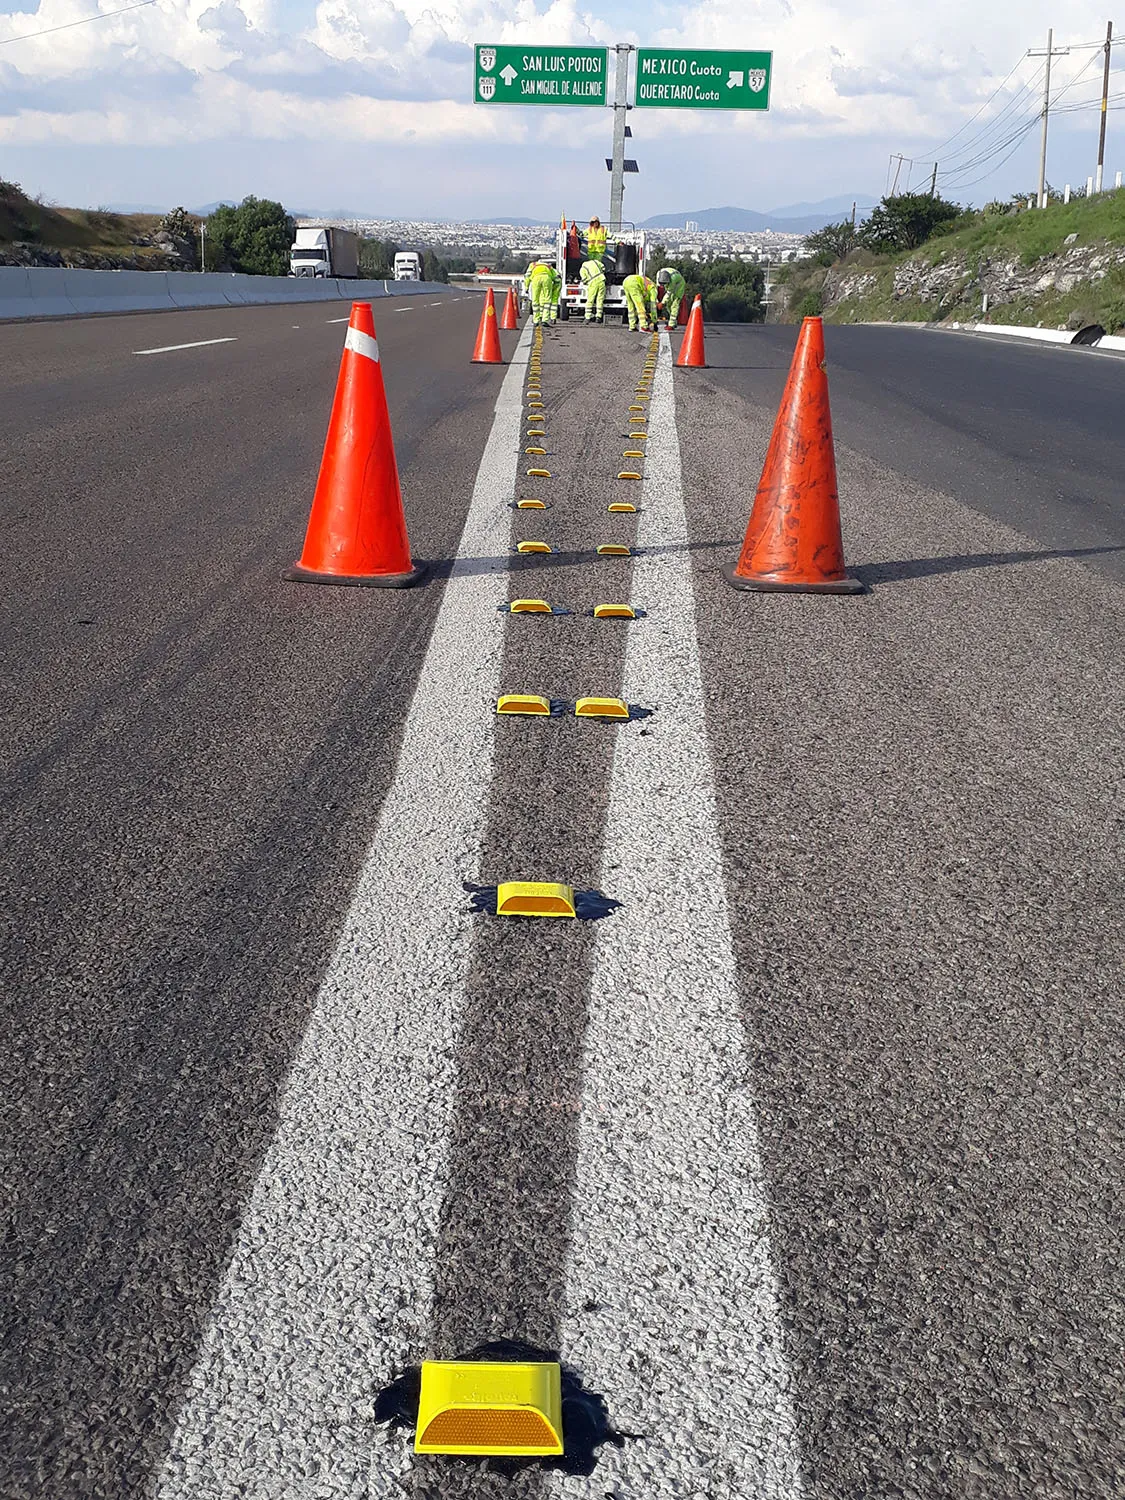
(691, 350)
(510, 317)
(487, 351)
(357, 531)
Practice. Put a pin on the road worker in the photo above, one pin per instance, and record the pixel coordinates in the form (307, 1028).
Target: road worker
(592, 277)
(556, 286)
(539, 285)
(595, 239)
(675, 289)
(640, 299)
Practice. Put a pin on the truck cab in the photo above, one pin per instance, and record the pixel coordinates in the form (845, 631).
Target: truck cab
(408, 266)
(310, 254)
(624, 256)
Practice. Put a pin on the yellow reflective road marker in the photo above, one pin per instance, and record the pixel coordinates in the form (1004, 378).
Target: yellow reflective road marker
(533, 547)
(628, 474)
(531, 505)
(620, 507)
(614, 612)
(633, 453)
(613, 549)
(601, 708)
(538, 473)
(637, 406)
(534, 898)
(523, 703)
(477, 1408)
(530, 607)
(536, 451)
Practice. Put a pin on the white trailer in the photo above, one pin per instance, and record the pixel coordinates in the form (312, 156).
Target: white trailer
(324, 250)
(624, 256)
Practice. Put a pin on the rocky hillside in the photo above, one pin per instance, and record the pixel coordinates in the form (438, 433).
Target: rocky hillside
(1063, 266)
(38, 234)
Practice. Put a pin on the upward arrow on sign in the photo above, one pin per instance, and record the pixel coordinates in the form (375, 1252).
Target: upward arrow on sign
(509, 75)
(734, 81)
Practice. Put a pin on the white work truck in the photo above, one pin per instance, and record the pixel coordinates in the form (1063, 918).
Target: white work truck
(408, 266)
(324, 250)
(624, 256)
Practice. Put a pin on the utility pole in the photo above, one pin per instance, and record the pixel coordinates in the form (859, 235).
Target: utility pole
(620, 111)
(933, 181)
(203, 244)
(1051, 51)
(1105, 106)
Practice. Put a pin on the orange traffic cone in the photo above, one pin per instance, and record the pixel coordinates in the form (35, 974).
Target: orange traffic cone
(793, 542)
(487, 351)
(357, 531)
(681, 321)
(510, 317)
(691, 350)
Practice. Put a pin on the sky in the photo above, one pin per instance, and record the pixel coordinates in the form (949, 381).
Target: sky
(365, 105)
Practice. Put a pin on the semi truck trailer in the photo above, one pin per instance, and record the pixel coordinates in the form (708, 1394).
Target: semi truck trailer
(324, 250)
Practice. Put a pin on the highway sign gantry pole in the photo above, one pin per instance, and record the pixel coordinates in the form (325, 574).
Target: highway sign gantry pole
(620, 115)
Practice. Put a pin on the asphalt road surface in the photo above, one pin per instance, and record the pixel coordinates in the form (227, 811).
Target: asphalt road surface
(806, 1159)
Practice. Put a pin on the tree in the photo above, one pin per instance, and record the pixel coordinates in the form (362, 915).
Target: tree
(831, 243)
(179, 224)
(254, 238)
(432, 268)
(377, 259)
(905, 221)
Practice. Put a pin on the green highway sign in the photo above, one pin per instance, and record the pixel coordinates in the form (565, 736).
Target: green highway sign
(539, 75)
(680, 78)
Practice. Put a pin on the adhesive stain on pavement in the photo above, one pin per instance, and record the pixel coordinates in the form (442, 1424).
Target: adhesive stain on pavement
(585, 1416)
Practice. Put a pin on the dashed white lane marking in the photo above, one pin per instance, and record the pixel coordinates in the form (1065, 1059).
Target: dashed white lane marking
(199, 344)
(671, 1224)
(435, 304)
(403, 309)
(330, 1282)
(336, 320)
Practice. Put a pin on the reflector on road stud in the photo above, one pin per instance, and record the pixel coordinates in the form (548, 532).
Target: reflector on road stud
(628, 474)
(620, 507)
(534, 898)
(538, 473)
(633, 453)
(637, 406)
(475, 1408)
(589, 906)
(523, 703)
(601, 708)
(613, 549)
(528, 607)
(537, 452)
(533, 546)
(617, 612)
(529, 504)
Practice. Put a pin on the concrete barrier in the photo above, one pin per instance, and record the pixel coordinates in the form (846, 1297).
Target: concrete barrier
(50, 292)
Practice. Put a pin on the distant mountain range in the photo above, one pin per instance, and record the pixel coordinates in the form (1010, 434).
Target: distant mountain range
(797, 218)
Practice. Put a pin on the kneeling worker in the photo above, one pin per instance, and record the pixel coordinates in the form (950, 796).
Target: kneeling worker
(675, 289)
(640, 299)
(592, 276)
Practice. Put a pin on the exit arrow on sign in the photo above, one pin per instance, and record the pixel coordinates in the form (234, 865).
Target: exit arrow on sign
(734, 81)
(509, 75)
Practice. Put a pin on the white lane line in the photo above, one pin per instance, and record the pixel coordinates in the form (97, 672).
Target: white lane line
(199, 344)
(403, 309)
(435, 304)
(671, 1226)
(330, 1283)
(336, 320)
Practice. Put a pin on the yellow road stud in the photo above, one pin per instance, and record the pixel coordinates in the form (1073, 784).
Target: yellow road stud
(638, 437)
(523, 703)
(538, 473)
(633, 453)
(536, 451)
(534, 898)
(533, 547)
(474, 1408)
(531, 505)
(614, 612)
(602, 708)
(620, 507)
(637, 406)
(530, 607)
(613, 549)
(628, 474)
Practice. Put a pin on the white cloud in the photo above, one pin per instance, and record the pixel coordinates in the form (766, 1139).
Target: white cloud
(391, 71)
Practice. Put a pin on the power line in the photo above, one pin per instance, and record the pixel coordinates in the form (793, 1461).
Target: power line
(103, 15)
(939, 149)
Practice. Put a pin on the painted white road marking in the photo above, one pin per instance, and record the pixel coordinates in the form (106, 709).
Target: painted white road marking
(671, 1222)
(199, 344)
(330, 1282)
(403, 309)
(336, 320)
